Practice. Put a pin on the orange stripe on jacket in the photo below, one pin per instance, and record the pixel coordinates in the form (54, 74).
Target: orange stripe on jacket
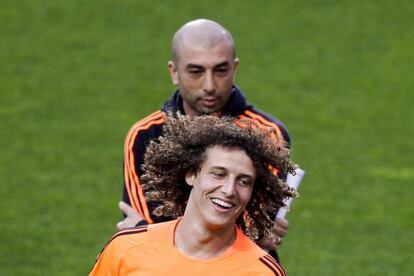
(256, 124)
(129, 171)
(264, 122)
(261, 123)
(133, 186)
(136, 194)
(134, 189)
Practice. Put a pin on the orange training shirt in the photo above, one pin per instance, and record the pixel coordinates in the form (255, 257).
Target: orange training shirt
(150, 250)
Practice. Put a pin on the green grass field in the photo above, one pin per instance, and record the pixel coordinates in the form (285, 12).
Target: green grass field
(75, 75)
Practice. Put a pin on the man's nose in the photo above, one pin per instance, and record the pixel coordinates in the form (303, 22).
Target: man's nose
(229, 187)
(209, 82)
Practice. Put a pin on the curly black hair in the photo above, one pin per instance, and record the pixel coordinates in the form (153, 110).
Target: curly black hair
(181, 149)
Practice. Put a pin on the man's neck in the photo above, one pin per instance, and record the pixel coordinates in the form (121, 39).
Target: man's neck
(199, 242)
(188, 110)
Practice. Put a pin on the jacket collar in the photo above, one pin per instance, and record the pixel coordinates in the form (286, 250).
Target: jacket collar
(235, 106)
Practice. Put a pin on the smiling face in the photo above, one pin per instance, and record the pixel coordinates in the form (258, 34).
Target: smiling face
(222, 188)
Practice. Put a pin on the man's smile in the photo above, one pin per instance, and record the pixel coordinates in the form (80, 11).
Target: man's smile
(222, 203)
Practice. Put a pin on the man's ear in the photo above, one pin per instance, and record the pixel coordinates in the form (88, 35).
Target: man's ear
(189, 178)
(235, 66)
(172, 68)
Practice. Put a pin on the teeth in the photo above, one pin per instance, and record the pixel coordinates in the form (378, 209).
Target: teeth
(222, 203)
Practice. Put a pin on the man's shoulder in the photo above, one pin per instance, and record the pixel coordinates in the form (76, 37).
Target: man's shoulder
(266, 265)
(145, 238)
(254, 259)
(258, 114)
(145, 129)
(162, 231)
(264, 119)
(155, 118)
(145, 233)
(128, 238)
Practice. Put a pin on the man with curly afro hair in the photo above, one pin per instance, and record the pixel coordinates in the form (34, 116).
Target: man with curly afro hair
(217, 180)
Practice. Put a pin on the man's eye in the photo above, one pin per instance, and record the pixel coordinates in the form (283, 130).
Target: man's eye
(195, 72)
(218, 174)
(245, 182)
(223, 70)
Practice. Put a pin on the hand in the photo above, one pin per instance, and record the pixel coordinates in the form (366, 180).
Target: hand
(280, 228)
(132, 216)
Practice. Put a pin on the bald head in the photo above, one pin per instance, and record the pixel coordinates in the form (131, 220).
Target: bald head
(201, 33)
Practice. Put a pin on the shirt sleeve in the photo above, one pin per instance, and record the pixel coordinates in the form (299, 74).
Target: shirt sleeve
(136, 141)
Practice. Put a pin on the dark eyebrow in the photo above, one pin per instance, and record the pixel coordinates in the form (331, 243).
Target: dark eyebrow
(218, 168)
(194, 66)
(221, 64)
(191, 66)
(240, 176)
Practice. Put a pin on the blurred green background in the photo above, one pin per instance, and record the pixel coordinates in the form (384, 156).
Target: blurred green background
(75, 75)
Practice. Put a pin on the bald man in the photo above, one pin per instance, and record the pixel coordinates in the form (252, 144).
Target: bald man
(203, 68)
